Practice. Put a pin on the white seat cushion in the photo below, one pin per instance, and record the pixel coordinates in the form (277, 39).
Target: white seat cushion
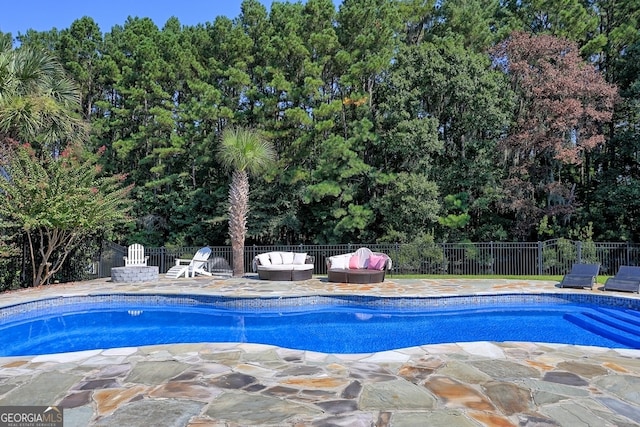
(301, 267)
(279, 267)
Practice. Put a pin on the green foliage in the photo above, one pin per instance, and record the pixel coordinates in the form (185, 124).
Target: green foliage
(355, 222)
(408, 203)
(559, 256)
(377, 112)
(588, 251)
(477, 24)
(544, 229)
(567, 19)
(411, 257)
(37, 99)
(56, 203)
(459, 205)
(245, 150)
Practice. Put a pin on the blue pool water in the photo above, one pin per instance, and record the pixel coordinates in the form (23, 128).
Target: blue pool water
(347, 327)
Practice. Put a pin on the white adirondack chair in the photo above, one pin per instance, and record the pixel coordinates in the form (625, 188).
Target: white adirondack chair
(191, 267)
(135, 256)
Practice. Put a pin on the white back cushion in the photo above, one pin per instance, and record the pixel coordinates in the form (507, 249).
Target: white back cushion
(340, 261)
(299, 258)
(363, 257)
(276, 258)
(287, 257)
(264, 259)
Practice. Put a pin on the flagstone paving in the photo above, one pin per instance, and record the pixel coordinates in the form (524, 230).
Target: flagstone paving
(235, 384)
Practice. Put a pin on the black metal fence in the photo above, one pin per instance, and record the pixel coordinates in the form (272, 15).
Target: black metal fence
(552, 257)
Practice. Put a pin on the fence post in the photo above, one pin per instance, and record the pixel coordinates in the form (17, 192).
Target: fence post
(540, 259)
(493, 258)
(579, 251)
(253, 254)
(397, 262)
(163, 254)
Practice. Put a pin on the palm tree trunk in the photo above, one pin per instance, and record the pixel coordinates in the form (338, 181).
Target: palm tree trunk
(238, 211)
(245, 152)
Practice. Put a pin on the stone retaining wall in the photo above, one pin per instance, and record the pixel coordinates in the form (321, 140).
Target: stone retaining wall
(134, 274)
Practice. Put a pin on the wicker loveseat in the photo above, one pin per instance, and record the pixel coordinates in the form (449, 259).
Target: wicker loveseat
(283, 266)
(361, 266)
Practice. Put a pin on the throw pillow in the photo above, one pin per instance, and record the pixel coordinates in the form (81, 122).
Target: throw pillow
(354, 262)
(287, 257)
(264, 259)
(338, 262)
(299, 258)
(276, 258)
(376, 262)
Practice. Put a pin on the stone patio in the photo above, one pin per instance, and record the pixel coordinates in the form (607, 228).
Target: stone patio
(232, 384)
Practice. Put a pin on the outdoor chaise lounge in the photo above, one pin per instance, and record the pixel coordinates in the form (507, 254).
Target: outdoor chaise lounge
(581, 276)
(361, 266)
(191, 267)
(283, 266)
(626, 279)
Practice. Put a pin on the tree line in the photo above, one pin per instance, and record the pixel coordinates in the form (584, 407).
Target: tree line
(392, 120)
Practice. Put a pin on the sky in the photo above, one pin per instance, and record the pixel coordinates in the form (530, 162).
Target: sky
(17, 16)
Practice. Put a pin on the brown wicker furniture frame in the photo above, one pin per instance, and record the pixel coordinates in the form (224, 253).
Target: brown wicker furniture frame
(345, 275)
(285, 275)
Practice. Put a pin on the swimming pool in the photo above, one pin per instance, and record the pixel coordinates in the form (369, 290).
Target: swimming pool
(353, 324)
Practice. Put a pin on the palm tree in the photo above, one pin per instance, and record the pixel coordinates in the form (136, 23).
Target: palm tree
(245, 152)
(38, 102)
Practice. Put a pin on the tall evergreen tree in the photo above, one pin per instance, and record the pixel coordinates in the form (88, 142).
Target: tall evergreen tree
(79, 49)
(354, 100)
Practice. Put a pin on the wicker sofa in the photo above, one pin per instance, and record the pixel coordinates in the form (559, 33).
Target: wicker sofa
(361, 266)
(283, 266)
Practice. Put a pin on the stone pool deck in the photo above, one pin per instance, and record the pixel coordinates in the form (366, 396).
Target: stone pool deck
(197, 385)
